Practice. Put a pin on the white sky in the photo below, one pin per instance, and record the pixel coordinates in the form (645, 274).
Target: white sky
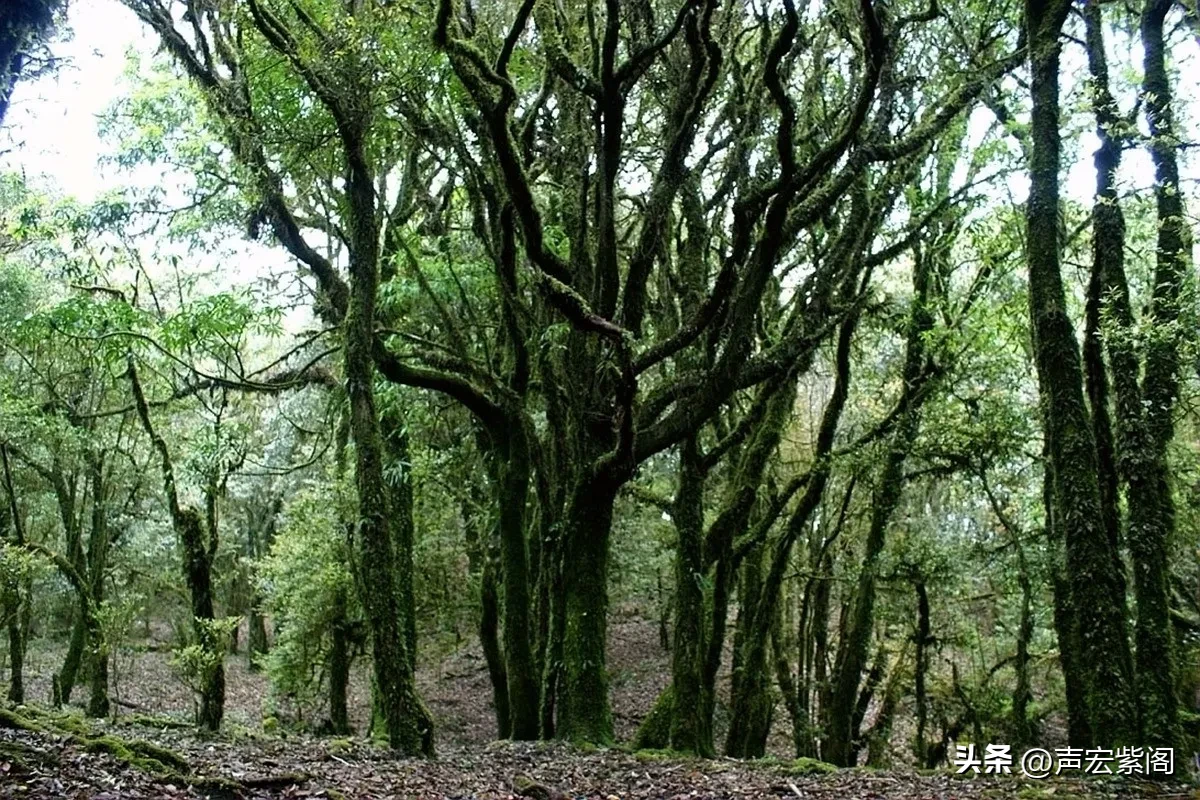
(51, 126)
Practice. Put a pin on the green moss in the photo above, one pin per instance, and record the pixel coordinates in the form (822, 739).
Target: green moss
(657, 754)
(807, 766)
(1045, 793)
(118, 749)
(163, 755)
(339, 745)
(655, 731)
(18, 721)
(72, 723)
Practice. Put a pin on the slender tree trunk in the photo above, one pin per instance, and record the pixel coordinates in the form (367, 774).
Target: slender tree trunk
(257, 642)
(97, 564)
(11, 599)
(198, 551)
(922, 639)
(1096, 586)
(261, 538)
(16, 657)
(555, 606)
(69, 673)
(339, 668)
(489, 623)
(1023, 729)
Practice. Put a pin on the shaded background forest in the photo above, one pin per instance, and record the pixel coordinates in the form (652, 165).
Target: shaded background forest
(718, 377)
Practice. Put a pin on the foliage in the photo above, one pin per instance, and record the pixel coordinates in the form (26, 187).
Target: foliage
(307, 583)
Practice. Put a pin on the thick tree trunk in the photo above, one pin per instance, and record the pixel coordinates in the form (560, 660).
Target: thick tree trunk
(584, 714)
(198, 569)
(522, 677)
(1066, 624)
(403, 528)
(1097, 587)
(690, 729)
(752, 701)
(98, 705)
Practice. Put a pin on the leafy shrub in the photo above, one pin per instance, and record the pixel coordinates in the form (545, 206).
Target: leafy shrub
(306, 581)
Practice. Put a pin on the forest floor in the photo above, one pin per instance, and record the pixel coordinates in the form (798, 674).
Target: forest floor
(244, 761)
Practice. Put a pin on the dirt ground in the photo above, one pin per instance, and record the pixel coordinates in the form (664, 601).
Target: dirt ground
(469, 764)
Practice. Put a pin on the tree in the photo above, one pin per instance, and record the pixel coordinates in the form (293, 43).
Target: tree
(1096, 584)
(24, 25)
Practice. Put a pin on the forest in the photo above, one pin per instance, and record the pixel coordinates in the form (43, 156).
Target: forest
(603, 398)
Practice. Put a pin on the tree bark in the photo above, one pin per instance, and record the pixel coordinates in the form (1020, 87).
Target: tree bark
(690, 729)
(584, 714)
(1096, 586)
(339, 668)
(1152, 506)
(408, 725)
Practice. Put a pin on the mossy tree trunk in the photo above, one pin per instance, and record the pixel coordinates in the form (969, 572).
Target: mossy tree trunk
(408, 725)
(1096, 584)
(339, 666)
(1066, 622)
(751, 696)
(403, 523)
(690, 729)
(489, 638)
(1146, 415)
(522, 677)
(584, 714)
